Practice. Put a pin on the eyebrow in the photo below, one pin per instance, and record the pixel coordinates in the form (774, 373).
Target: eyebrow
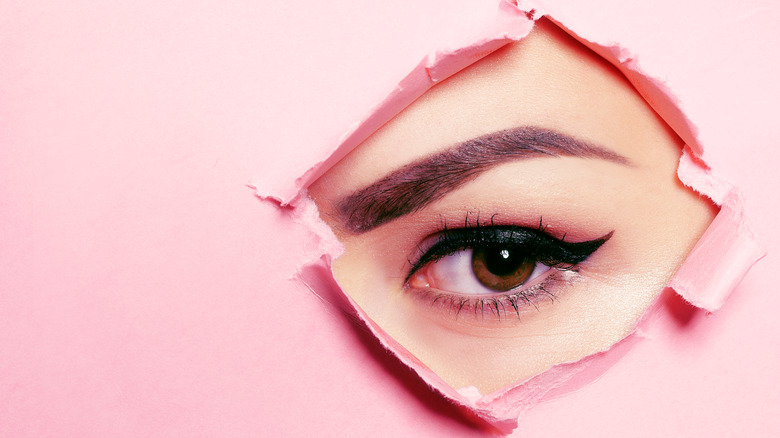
(428, 179)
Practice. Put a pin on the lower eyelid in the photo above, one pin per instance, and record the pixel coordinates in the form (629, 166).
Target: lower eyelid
(498, 306)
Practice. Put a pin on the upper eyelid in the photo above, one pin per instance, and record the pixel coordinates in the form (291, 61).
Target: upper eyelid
(421, 182)
(445, 234)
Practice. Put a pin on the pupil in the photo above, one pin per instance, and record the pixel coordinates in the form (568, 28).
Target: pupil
(502, 261)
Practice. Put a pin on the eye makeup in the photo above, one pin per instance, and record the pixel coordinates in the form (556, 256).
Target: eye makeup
(494, 270)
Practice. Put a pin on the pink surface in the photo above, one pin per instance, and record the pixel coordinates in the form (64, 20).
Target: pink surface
(145, 291)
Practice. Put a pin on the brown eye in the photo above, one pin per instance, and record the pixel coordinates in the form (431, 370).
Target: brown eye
(501, 268)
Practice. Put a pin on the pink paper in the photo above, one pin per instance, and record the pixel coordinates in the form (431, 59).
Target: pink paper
(145, 290)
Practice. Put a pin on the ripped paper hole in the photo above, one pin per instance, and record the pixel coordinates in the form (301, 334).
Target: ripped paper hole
(723, 255)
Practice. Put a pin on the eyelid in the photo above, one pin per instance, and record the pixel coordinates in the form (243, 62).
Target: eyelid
(421, 182)
(562, 258)
(516, 301)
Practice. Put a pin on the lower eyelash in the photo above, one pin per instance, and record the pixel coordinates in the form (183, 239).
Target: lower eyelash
(500, 305)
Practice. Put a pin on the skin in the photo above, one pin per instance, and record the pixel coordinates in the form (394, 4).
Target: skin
(550, 81)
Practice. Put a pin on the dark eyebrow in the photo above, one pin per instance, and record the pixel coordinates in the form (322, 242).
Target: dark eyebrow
(421, 182)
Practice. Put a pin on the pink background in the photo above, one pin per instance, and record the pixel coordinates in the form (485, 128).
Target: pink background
(145, 290)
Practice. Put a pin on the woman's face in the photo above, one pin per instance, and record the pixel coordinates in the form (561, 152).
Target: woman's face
(521, 214)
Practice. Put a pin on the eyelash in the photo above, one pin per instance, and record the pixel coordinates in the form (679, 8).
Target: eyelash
(501, 303)
(537, 244)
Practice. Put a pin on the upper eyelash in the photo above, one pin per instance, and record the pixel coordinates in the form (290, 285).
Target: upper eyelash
(540, 245)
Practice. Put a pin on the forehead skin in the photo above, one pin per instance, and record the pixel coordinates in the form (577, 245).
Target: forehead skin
(550, 81)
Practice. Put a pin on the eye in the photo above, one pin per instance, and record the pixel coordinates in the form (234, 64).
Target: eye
(480, 271)
(494, 267)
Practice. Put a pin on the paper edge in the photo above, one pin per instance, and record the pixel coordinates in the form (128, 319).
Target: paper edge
(708, 289)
